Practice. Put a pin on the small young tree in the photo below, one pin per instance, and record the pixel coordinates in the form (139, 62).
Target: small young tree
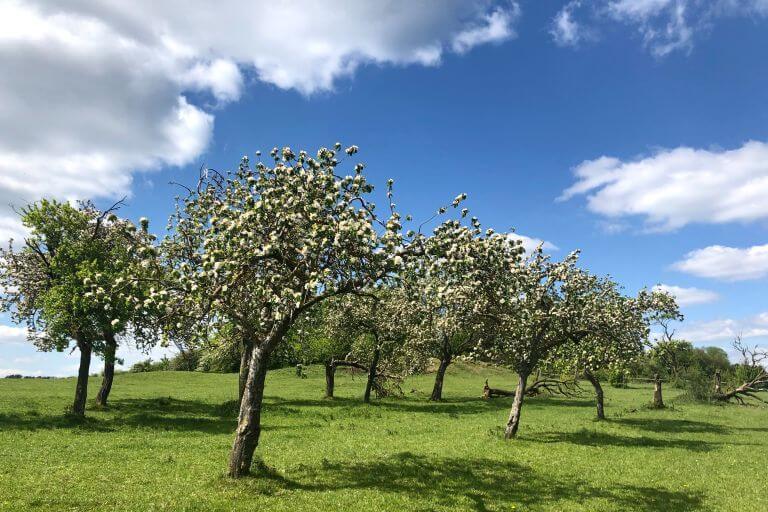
(59, 283)
(662, 310)
(373, 325)
(316, 341)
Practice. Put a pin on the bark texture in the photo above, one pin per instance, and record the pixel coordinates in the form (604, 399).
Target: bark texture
(109, 370)
(513, 423)
(330, 378)
(658, 400)
(81, 389)
(371, 375)
(249, 421)
(245, 360)
(599, 398)
(437, 390)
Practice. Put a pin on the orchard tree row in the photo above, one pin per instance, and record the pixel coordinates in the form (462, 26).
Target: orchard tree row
(269, 252)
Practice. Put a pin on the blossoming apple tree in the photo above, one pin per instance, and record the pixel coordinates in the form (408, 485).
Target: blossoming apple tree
(608, 333)
(442, 287)
(60, 283)
(275, 240)
(528, 307)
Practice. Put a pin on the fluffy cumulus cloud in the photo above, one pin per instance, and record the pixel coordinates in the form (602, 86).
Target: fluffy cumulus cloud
(664, 26)
(12, 335)
(726, 329)
(726, 263)
(530, 244)
(688, 296)
(676, 187)
(93, 91)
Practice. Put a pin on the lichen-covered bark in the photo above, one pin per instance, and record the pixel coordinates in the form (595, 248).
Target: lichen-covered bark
(371, 375)
(437, 390)
(513, 423)
(245, 359)
(330, 378)
(81, 389)
(109, 370)
(658, 401)
(249, 420)
(599, 399)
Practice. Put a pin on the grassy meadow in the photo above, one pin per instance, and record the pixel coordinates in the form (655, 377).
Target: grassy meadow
(164, 441)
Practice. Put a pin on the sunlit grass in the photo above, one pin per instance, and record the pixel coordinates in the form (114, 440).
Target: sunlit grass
(163, 445)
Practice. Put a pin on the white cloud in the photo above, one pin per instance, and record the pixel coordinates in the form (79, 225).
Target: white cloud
(565, 29)
(679, 186)
(724, 329)
(495, 27)
(12, 335)
(664, 26)
(92, 91)
(530, 244)
(18, 371)
(726, 263)
(688, 296)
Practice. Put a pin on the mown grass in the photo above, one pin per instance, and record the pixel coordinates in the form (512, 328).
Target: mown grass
(163, 445)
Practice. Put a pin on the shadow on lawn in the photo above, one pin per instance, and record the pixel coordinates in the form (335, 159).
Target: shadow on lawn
(477, 484)
(673, 425)
(162, 413)
(448, 406)
(452, 406)
(592, 438)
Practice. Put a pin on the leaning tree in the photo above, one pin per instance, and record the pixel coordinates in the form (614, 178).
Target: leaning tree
(443, 316)
(60, 283)
(278, 239)
(530, 308)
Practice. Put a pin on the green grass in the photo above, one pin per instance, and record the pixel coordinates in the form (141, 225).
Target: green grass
(163, 445)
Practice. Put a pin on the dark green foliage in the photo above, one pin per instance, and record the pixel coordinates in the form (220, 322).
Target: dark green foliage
(618, 378)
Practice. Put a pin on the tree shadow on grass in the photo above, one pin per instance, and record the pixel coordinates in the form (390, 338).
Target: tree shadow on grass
(591, 438)
(450, 406)
(673, 425)
(33, 420)
(164, 413)
(474, 484)
(548, 400)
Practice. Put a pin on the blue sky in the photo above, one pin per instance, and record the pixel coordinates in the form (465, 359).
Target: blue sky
(645, 110)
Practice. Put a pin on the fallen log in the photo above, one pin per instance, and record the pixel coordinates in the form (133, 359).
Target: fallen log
(568, 388)
(489, 392)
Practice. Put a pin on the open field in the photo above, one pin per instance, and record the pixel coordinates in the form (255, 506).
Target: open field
(163, 445)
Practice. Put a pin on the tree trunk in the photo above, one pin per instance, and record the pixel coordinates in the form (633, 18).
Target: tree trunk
(718, 383)
(517, 405)
(658, 402)
(245, 358)
(437, 390)
(81, 390)
(249, 420)
(330, 378)
(598, 394)
(109, 370)
(371, 375)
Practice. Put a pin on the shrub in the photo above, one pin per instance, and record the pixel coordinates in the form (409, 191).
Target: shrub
(697, 385)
